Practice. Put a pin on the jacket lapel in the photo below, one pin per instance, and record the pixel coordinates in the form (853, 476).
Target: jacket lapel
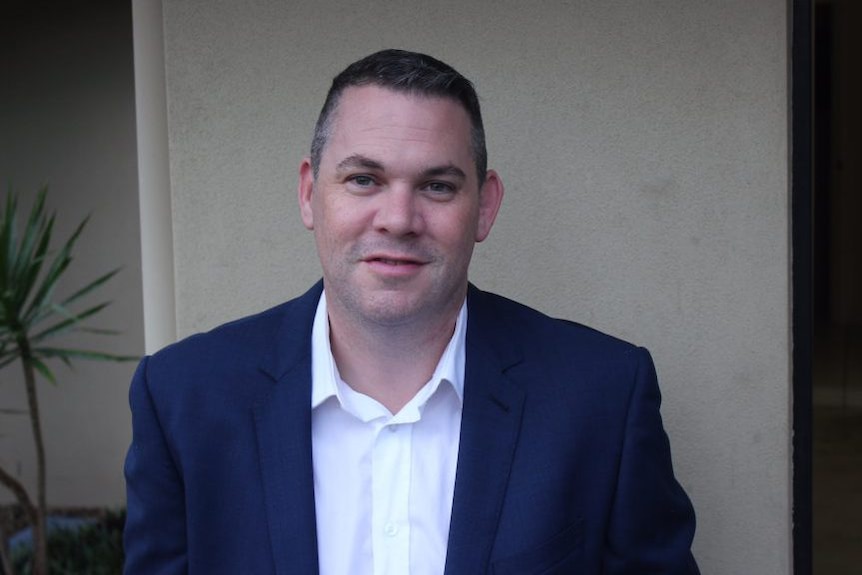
(490, 426)
(283, 426)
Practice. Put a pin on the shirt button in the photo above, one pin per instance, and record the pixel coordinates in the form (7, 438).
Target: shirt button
(390, 529)
(393, 428)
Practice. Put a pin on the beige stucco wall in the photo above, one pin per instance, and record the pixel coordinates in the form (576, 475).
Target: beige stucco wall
(644, 148)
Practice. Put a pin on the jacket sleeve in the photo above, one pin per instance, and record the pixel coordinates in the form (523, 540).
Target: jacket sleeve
(652, 520)
(155, 534)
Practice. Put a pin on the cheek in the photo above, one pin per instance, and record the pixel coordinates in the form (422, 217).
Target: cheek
(336, 227)
(460, 234)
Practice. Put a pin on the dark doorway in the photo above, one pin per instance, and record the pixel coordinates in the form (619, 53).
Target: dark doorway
(836, 289)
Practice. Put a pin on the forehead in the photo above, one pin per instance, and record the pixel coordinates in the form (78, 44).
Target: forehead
(372, 119)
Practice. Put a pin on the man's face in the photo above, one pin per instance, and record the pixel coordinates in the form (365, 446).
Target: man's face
(396, 207)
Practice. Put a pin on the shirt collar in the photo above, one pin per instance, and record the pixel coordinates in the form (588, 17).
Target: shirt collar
(325, 379)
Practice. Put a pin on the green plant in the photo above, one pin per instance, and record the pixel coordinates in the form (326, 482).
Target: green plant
(30, 316)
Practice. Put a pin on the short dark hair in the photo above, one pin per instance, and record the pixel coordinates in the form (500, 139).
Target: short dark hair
(408, 72)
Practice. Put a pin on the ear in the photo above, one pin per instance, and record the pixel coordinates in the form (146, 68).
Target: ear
(304, 191)
(490, 198)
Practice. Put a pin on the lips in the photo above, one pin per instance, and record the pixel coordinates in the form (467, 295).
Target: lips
(394, 266)
(394, 261)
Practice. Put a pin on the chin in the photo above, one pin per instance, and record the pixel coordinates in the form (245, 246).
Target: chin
(390, 311)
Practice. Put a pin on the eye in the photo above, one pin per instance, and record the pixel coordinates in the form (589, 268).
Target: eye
(440, 188)
(362, 180)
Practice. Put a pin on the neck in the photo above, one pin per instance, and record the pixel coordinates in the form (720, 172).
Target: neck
(389, 363)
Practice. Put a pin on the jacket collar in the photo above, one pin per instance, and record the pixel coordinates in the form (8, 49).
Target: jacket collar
(292, 343)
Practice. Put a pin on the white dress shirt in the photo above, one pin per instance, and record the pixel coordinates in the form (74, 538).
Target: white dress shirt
(383, 483)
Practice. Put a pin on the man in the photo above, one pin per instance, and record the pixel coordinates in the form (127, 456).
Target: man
(395, 419)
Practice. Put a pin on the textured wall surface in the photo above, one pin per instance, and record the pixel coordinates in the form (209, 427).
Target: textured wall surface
(67, 119)
(644, 148)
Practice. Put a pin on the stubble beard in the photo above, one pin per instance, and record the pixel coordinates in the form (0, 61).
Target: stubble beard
(376, 303)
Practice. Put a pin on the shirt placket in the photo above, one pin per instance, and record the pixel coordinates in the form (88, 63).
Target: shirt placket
(391, 463)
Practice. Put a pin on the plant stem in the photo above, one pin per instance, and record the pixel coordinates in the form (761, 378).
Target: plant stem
(23, 497)
(40, 543)
(20, 492)
(5, 561)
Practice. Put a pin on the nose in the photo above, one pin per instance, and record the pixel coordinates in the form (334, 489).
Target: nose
(398, 213)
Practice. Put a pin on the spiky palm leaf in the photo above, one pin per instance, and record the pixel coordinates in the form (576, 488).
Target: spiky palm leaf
(29, 315)
(27, 307)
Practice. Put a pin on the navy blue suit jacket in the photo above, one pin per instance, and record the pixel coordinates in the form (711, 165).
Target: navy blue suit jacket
(563, 467)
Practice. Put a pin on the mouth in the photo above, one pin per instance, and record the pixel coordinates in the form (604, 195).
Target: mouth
(394, 265)
(394, 261)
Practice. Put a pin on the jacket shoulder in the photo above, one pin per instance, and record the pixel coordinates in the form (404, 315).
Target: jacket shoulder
(241, 343)
(533, 329)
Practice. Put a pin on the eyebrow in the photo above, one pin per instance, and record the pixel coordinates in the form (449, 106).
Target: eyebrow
(448, 170)
(360, 161)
